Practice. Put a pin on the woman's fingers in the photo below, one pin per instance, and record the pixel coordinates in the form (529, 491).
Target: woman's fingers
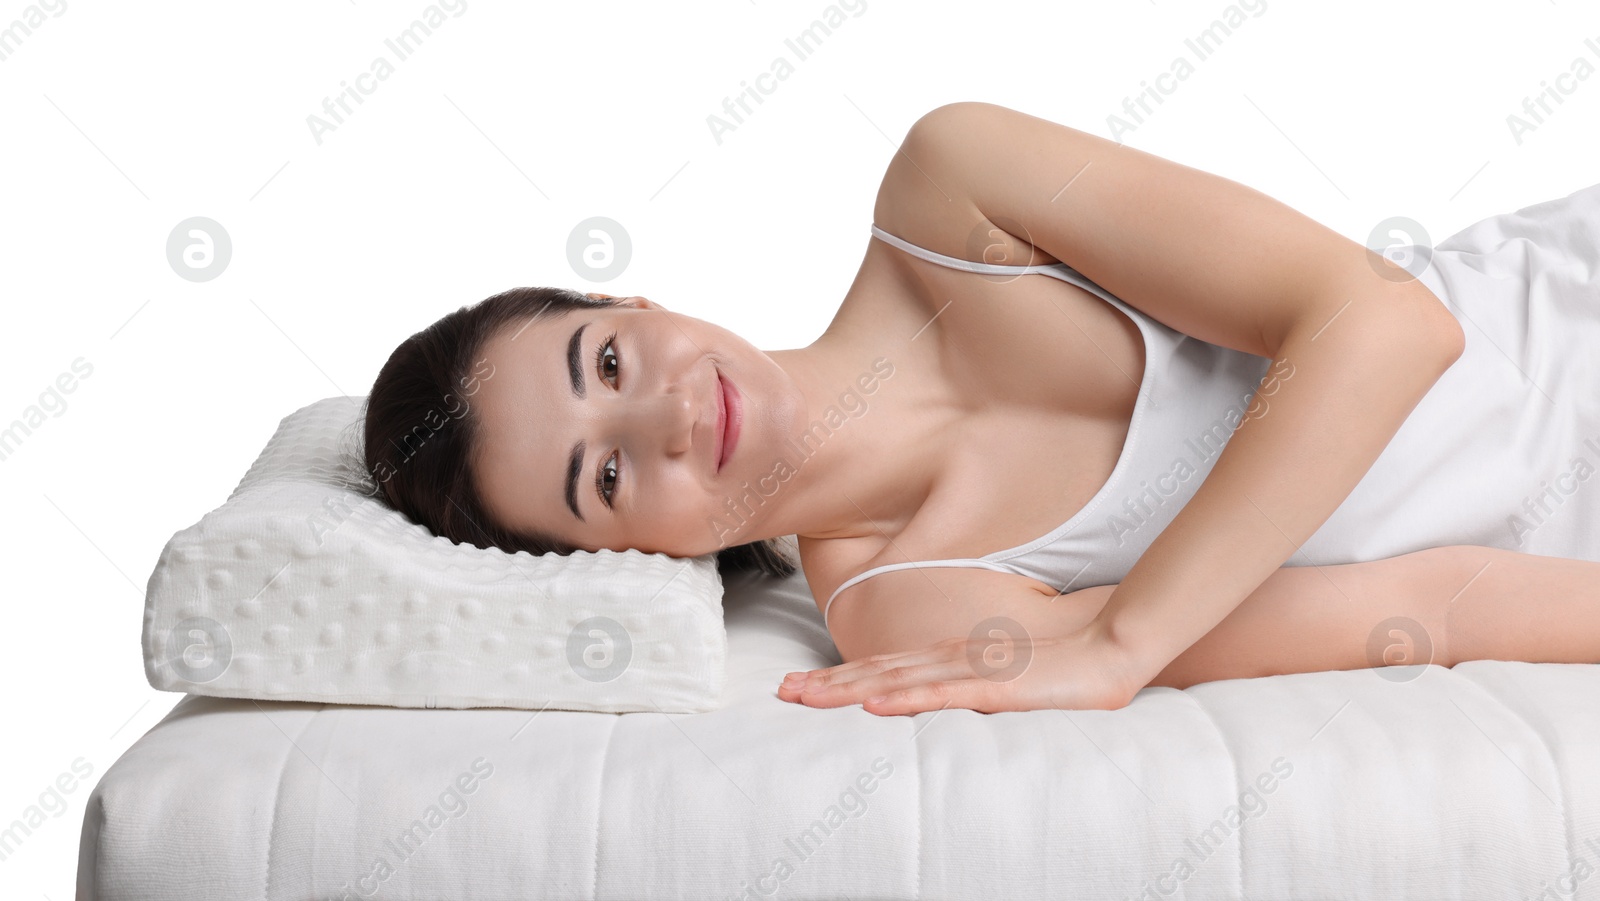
(855, 691)
(875, 663)
(884, 677)
(972, 694)
(1085, 670)
(871, 666)
(856, 669)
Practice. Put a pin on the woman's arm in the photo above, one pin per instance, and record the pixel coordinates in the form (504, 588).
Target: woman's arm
(1505, 605)
(1277, 480)
(1440, 605)
(1229, 265)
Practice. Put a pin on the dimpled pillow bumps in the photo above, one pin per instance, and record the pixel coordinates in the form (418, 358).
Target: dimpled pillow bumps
(306, 586)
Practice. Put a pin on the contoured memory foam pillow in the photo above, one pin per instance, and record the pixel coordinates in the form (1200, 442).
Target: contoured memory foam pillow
(304, 585)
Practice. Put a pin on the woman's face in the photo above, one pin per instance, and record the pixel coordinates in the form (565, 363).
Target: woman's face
(642, 422)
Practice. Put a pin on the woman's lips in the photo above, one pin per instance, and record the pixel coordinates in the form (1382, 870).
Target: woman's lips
(721, 426)
(730, 417)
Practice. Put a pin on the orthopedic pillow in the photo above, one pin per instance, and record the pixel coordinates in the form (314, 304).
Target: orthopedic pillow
(306, 586)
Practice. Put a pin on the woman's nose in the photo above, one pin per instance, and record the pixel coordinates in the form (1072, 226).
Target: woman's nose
(667, 417)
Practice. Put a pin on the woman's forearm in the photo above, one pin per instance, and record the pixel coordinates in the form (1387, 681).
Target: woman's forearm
(1354, 377)
(1507, 605)
(1439, 605)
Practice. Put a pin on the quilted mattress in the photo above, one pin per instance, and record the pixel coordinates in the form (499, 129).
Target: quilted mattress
(1481, 781)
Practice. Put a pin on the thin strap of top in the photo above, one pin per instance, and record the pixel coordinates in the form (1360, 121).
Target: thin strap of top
(891, 567)
(957, 262)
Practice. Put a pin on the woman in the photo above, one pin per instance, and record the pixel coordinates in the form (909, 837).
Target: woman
(1216, 376)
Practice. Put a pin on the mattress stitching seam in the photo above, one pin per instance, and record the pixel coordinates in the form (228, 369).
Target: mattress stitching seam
(916, 755)
(277, 792)
(1555, 768)
(600, 802)
(1233, 764)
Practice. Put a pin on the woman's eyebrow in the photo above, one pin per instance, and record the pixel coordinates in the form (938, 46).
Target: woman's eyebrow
(574, 466)
(574, 365)
(579, 389)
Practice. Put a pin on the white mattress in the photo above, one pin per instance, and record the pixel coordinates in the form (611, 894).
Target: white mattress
(1477, 782)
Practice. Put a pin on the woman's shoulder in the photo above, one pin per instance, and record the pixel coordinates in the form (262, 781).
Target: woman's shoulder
(829, 562)
(924, 196)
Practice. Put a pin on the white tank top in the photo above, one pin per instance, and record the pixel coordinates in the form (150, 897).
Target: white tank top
(1503, 451)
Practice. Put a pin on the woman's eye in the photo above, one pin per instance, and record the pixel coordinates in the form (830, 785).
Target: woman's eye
(602, 482)
(606, 477)
(600, 355)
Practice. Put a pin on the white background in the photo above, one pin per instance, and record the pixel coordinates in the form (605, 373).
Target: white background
(462, 174)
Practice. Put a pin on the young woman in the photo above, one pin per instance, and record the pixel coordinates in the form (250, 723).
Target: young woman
(1218, 441)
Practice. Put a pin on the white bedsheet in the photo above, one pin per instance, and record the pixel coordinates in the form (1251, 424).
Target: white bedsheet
(1477, 782)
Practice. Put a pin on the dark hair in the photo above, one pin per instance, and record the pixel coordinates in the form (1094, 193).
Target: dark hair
(420, 435)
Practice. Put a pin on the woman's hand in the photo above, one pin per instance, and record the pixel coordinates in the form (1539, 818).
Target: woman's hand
(1083, 670)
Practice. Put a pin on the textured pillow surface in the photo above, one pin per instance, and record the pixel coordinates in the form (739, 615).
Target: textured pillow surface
(306, 586)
